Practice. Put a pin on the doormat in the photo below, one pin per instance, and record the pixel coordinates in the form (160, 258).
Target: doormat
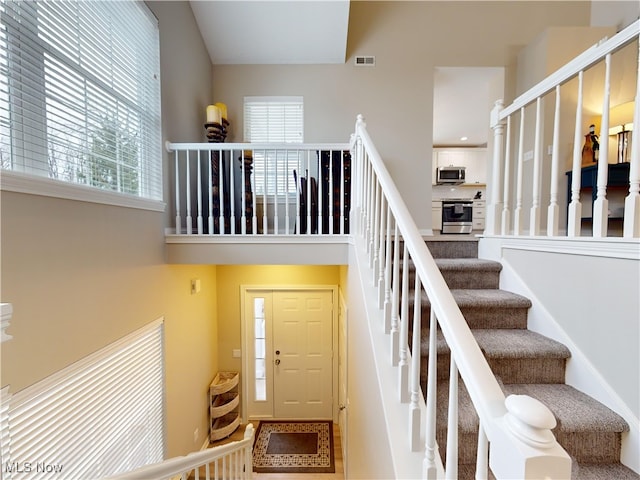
(294, 447)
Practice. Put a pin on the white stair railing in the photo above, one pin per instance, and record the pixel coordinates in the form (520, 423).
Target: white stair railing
(517, 429)
(265, 189)
(505, 214)
(230, 461)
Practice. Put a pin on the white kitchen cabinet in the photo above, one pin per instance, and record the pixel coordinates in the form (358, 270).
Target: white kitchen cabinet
(478, 214)
(474, 159)
(436, 215)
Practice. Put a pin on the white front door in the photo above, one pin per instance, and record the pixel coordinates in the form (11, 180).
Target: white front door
(289, 343)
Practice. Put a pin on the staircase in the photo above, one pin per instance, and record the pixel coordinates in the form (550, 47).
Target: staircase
(524, 362)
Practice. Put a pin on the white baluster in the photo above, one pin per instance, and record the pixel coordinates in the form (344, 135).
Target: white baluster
(452, 423)
(553, 211)
(330, 192)
(482, 457)
(431, 447)
(403, 364)
(381, 264)
(601, 204)
(199, 199)
(265, 221)
(373, 255)
(210, 192)
(287, 225)
(371, 197)
(221, 174)
(575, 207)
(254, 199)
(632, 202)
(232, 202)
(178, 224)
(506, 214)
(534, 217)
(320, 193)
(275, 198)
(342, 182)
(494, 209)
(395, 298)
(308, 212)
(243, 198)
(414, 407)
(298, 193)
(386, 306)
(517, 220)
(188, 200)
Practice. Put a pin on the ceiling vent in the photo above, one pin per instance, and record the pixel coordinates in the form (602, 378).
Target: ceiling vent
(365, 61)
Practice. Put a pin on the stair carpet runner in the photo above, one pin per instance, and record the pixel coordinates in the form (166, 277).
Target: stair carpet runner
(523, 361)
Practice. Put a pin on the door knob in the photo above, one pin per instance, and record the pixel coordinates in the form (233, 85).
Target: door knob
(277, 352)
(277, 361)
(342, 407)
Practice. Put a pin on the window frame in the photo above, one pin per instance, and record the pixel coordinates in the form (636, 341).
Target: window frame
(23, 177)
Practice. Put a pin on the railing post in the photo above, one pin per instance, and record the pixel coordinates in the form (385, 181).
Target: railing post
(414, 408)
(506, 213)
(575, 207)
(517, 215)
(403, 365)
(601, 204)
(494, 209)
(523, 446)
(632, 202)
(553, 211)
(534, 216)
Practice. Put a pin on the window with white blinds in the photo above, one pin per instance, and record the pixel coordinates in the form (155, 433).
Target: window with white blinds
(80, 94)
(274, 120)
(101, 416)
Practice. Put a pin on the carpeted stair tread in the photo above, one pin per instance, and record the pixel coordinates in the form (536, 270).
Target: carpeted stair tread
(608, 471)
(574, 410)
(517, 343)
(477, 264)
(484, 298)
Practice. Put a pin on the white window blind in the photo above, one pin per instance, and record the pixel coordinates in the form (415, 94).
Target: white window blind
(80, 94)
(274, 120)
(101, 416)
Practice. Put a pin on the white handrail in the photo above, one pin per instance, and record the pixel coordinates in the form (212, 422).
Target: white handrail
(239, 464)
(501, 420)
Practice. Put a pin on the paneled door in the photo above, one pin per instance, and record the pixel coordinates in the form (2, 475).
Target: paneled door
(290, 353)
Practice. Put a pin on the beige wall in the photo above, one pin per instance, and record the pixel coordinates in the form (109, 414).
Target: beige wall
(409, 39)
(82, 275)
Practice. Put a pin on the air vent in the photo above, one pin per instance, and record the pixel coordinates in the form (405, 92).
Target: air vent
(365, 61)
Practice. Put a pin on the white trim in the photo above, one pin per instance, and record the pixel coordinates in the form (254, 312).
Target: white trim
(610, 247)
(258, 239)
(48, 187)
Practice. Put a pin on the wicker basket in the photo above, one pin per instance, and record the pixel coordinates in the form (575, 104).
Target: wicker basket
(224, 403)
(224, 426)
(223, 382)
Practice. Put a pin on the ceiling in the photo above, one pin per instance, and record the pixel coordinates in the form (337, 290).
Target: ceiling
(315, 32)
(273, 32)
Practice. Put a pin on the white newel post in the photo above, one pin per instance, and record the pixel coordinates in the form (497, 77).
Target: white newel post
(632, 202)
(494, 210)
(523, 445)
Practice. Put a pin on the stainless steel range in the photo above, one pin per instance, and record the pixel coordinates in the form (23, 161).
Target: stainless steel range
(457, 215)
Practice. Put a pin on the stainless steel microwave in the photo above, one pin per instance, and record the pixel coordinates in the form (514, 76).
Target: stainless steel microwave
(450, 175)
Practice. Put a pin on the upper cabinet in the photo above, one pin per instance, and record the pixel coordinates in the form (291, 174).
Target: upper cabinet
(474, 159)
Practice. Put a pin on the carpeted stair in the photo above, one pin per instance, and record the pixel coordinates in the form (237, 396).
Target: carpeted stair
(524, 362)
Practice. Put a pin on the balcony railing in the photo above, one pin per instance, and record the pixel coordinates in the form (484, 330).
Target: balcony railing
(603, 197)
(261, 189)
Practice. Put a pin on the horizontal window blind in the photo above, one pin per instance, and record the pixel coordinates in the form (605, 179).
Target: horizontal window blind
(101, 416)
(274, 120)
(80, 94)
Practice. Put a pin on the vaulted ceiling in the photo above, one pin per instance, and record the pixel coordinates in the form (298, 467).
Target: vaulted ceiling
(315, 32)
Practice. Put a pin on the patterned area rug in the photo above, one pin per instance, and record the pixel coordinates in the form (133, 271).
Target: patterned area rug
(294, 447)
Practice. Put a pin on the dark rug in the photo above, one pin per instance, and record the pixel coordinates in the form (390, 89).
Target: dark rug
(294, 447)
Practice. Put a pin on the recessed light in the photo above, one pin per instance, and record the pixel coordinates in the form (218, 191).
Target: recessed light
(464, 139)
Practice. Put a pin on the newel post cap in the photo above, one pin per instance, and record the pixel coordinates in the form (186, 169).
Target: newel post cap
(530, 420)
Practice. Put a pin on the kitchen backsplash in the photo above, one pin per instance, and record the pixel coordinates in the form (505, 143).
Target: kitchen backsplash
(456, 191)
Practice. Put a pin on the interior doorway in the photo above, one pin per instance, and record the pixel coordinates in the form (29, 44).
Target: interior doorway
(288, 338)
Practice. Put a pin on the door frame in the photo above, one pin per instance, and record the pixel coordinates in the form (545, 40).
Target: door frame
(244, 290)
